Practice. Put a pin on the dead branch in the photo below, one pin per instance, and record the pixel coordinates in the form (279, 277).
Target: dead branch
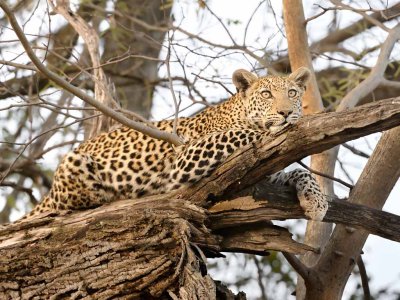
(102, 88)
(137, 243)
(372, 189)
(376, 75)
(162, 135)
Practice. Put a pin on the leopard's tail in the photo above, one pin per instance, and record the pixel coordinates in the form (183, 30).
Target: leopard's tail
(42, 207)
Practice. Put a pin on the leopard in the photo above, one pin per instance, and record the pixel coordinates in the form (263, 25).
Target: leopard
(127, 164)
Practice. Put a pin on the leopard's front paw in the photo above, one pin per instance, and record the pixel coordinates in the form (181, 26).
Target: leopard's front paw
(314, 204)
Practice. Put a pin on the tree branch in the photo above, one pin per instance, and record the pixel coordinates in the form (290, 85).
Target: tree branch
(297, 265)
(364, 278)
(162, 135)
(377, 180)
(102, 88)
(317, 233)
(312, 134)
(155, 234)
(376, 75)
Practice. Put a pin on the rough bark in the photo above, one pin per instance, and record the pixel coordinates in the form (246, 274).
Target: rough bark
(312, 134)
(134, 77)
(153, 246)
(317, 233)
(372, 189)
(135, 251)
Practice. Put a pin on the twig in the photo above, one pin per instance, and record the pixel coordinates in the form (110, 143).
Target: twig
(221, 22)
(297, 265)
(26, 145)
(40, 154)
(341, 6)
(355, 151)
(158, 134)
(170, 84)
(18, 66)
(260, 276)
(325, 175)
(324, 10)
(364, 278)
(20, 188)
(338, 36)
(216, 82)
(342, 167)
(251, 19)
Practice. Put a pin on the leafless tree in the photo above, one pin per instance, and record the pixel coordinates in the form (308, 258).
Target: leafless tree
(83, 68)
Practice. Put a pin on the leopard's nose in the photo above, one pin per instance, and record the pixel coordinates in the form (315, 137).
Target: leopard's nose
(285, 112)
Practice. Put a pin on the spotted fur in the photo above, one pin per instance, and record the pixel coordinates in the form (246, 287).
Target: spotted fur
(126, 164)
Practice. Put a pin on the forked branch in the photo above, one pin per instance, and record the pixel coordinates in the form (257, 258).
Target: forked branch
(155, 233)
(158, 134)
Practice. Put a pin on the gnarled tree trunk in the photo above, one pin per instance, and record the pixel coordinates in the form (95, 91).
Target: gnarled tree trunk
(155, 246)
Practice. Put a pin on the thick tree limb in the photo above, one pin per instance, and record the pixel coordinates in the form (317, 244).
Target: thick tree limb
(312, 134)
(279, 203)
(146, 245)
(372, 189)
(317, 233)
(138, 250)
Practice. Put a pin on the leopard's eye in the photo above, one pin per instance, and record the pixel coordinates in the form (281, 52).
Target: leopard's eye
(292, 93)
(266, 94)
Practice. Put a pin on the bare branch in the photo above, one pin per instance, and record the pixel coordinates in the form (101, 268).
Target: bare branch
(43, 133)
(297, 265)
(340, 5)
(364, 278)
(18, 187)
(357, 27)
(350, 186)
(171, 138)
(355, 151)
(18, 66)
(376, 182)
(376, 75)
(102, 88)
(170, 83)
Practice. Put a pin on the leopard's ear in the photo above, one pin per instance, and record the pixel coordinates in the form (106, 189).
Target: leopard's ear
(301, 76)
(243, 79)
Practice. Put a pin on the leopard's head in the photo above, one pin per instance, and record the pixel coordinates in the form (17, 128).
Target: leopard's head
(272, 102)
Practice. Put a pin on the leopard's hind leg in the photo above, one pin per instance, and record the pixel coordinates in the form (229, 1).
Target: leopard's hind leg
(76, 185)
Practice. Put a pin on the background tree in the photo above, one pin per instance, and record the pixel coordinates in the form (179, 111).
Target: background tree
(144, 50)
